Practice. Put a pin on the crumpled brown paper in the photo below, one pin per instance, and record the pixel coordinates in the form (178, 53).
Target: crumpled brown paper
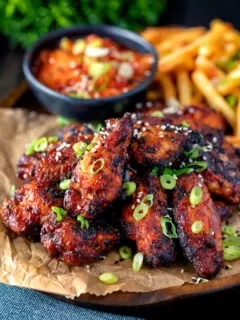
(26, 264)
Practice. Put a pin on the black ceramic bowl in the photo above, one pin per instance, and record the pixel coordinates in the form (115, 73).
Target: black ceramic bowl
(88, 109)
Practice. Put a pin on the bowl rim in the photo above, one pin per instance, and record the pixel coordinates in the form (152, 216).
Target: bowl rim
(110, 31)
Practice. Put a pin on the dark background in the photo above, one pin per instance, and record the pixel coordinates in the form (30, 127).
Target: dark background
(184, 12)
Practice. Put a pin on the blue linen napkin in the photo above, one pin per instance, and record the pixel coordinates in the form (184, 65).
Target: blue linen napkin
(23, 304)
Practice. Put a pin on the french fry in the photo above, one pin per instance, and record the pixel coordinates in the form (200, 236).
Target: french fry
(235, 141)
(215, 100)
(169, 90)
(237, 128)
(209, 68)
(197, 97)
(184, 87)
(230, 83)
(169, 62)
(158, 34)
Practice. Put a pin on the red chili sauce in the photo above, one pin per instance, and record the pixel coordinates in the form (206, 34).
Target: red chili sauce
(92, 67)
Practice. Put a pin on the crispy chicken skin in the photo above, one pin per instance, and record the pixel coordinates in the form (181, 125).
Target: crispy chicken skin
(30, 207)
(97, 178)
(75, 246)
(160, 145)
(222, 176)
(203, 249)
(158, 249)
(196, 116)
(59, 159)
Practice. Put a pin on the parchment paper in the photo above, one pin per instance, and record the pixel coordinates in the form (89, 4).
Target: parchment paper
(26, 264)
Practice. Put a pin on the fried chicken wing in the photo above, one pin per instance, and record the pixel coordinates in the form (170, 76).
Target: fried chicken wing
(222, 176)
(30, 207)
(26, 166)
(196, 116)
(157, 248)
(161, 145)
(202, 248)
(75, 246)
(72, 130)
(97, 178)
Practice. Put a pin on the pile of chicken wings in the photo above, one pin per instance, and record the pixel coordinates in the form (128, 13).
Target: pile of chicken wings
(94, 214)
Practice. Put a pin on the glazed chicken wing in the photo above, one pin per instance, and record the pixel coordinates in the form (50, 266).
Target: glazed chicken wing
(157, 248)
(97, 178)
(30, 207)
(57, 162)
(222, 176)
(75, 246)
(202, 246)
(161, 145)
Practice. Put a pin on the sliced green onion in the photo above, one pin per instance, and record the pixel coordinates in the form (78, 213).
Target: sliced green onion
(125, 252)
(158, 114)
(61, 121)
(31, 148)
(148, 200)
(65, 184)
(198, 166)
(130, 188)
(232, 100)
(231, 241)
(194, 153)
(185, 124)
(229, 230)
(154, 171)
(196, 196)
(79, 95)
(79, 46)
(97, 69)
(168, 227)
(13, 189)
(84, 222)
(167, 181)
(231, 253)
(80, 148)
(140, 211)
(41, 144)
(108, 278)
(197, 226)
(137, 261)
(168, 171)
(59, 212)
(97, 166)
(179, 172)
(63, 44)
(52, 139)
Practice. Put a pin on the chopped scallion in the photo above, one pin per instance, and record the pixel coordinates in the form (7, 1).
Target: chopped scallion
(130, 188)
(229, 230)
(137, 261)
(84, 222)
(196, 196)
(65, 184)
(59, 212)
(80, 148)
(140, 211)
(97, 166)
(168, 182)
(108, 278)
(168, 227)
(125, 252)
(197, 227)
(157, 113)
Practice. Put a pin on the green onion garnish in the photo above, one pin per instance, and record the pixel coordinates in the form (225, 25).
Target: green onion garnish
(61, 121)
(31, 148)
(232, 100)
(154, 171)
(137, 261)
(168, 227)
(231, 253)
(41, 144)
(52, 139)
(197, 226)
(13, 189)
(130, 188)
(185, 124)
(196, 196)
(140, 211)
(168, 182)
(148, 200)
(84, 222)
(97, 166)
(80, 148)
(198, 166)
(229, 230)
(59, 212)
(194, 153)
(65, 184)
(108, 278)
(125, 252)
(98, 69)
(158, 114)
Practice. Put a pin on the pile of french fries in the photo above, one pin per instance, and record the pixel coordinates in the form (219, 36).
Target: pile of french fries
(200, 67)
